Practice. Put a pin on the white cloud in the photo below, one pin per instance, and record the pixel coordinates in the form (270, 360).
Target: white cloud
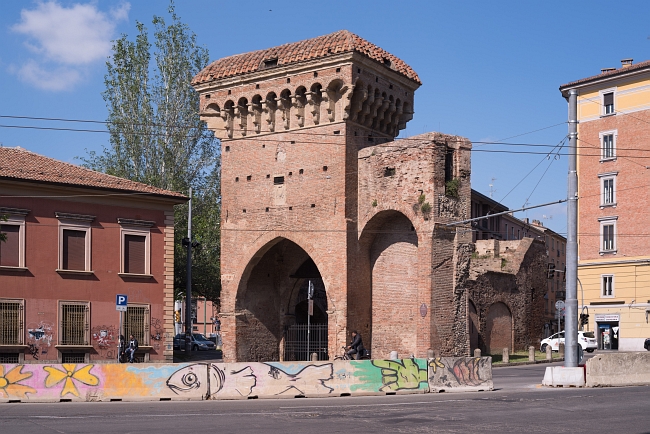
(67, 39)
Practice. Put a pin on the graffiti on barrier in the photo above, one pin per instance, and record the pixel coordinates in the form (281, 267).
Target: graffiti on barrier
(450, 372)
(401, 374)
(10, 382)
(69, 376)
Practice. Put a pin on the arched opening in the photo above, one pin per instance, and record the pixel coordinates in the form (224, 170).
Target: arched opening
(498, 329)
(392, 245)
(272, 306)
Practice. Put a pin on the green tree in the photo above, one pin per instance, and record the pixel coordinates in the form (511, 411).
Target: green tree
(157, 137)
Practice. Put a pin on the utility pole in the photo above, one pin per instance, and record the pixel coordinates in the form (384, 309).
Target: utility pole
(310, 312)
(188, 288)
(571, 313)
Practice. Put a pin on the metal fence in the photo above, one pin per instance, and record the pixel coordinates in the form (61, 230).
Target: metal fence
(295, 342)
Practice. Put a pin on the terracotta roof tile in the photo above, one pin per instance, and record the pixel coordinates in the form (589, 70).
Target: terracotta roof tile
(620, 71)
(20, 164)
(342, 41)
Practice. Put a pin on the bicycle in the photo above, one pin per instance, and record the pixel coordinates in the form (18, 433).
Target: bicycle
(345, 356)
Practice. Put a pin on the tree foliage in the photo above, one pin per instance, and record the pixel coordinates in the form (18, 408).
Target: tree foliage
(157, 137)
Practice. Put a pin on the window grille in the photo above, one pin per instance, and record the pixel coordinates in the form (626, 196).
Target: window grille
(73, 358)
(9, 358)
(11, 322)
(74, 324)
(136, 323)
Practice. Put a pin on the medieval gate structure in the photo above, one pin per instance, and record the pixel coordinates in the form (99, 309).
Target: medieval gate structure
(315, 187)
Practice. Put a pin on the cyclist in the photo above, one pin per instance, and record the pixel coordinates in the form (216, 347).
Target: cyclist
(356, 346)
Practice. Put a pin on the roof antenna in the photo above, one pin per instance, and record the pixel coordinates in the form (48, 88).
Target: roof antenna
(492, 190)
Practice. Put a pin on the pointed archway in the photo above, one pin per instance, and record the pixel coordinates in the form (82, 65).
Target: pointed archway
(272, 297)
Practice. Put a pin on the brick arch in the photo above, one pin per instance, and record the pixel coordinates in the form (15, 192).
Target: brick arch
(499, 328)
(268, 285)
(389, 242)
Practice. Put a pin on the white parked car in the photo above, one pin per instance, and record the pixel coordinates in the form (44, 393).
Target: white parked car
(587, 341)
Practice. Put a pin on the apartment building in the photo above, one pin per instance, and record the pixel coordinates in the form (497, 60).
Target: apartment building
(74, 240)
(613, 173)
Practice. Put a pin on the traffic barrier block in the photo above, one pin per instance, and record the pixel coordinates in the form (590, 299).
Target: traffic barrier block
(560, 376)
(460, 374)
(618, 369)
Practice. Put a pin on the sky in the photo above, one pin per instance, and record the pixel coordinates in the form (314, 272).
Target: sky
(490, 70)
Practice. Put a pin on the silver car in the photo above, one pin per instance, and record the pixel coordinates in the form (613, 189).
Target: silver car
(199, 342)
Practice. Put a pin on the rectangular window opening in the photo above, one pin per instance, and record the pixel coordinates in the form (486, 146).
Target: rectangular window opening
(74, 250)
(278, 180)
(11, 322)
(136, 323)
(74, 324)
(608, 286)
(608, 103)
(135, 251)
(10, 248)
(389, 171)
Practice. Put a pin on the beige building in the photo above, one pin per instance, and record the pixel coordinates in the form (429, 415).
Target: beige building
(613, 161)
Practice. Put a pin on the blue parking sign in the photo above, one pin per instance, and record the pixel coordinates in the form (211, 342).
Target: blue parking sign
(120, 302)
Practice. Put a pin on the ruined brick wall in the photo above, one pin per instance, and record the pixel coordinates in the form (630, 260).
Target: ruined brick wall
(411, 257)
(506, 287)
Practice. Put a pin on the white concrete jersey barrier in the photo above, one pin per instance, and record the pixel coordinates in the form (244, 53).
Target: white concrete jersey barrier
(199, 381)
(619, 369)
(560, 376)
(460, 374)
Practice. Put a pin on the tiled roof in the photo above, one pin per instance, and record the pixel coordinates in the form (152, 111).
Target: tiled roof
(20, 164)
(607, 74)
(342, 41)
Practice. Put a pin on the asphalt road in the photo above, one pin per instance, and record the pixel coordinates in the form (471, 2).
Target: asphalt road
(518, 404)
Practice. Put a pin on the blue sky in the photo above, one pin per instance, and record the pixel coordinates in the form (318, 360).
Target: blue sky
(490, 70)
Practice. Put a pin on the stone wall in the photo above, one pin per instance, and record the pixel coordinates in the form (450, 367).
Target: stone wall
(505, 287)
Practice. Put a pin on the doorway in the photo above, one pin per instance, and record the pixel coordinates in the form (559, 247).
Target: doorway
(608, 335)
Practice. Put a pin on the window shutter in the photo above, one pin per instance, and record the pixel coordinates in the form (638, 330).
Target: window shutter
(608, 99)
(10, 249)
(134, 254)
(74, 250)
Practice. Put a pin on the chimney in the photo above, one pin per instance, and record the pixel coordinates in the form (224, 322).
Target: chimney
(604, 70)
(626, 63)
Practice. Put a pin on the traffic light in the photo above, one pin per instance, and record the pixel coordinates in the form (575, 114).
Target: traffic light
(584, 319)
(177, 316)
(550, 272)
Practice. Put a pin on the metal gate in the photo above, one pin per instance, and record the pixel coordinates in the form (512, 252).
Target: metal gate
(295, 342)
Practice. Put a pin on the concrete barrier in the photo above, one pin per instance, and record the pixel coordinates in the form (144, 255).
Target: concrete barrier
(317, 379)
(559, 376)
(460, 374)
(619, 369)
(101, 382)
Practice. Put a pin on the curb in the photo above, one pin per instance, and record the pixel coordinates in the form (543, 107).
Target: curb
(536, 362)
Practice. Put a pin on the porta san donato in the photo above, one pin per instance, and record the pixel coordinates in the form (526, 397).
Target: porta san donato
(316, 187)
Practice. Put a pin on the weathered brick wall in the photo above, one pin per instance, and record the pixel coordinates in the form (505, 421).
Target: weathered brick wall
(631, 207)
(506, 285)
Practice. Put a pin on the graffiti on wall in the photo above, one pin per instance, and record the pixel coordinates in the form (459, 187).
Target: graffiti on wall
(105, 340)
(39, 338)
(157, 332)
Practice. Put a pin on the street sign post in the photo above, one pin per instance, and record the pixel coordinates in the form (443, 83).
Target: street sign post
(120, 305)
(559, 309)
(310, 312)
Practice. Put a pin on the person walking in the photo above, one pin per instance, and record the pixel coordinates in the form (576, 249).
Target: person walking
(131, 348)
(356, 346)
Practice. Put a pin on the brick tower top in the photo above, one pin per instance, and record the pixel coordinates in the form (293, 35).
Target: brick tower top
(334, 78)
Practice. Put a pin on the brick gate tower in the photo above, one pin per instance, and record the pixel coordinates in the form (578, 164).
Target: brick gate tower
(314, 189)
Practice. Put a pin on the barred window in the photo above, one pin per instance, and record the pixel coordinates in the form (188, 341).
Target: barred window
(136, 323)
(74, 323)
(11, 322)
